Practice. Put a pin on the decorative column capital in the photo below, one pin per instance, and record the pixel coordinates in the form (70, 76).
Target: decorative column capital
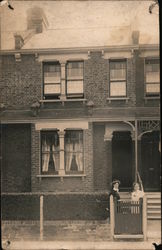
(133, 135)
(108, 136)
(61, 133)
(62, 62)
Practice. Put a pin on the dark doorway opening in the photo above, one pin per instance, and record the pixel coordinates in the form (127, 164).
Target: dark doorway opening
(122, 168)
(150, 161)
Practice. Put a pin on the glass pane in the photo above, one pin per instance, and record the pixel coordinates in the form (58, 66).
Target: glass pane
(51, 78)
(74, 151)
(52, 68)
(153, 88)
(50, 151)
(52, 89)
(118, 89)
(117, 74)
(152, 77)
(152, 65)
(74, 87)
(75, 69)
(118, 65)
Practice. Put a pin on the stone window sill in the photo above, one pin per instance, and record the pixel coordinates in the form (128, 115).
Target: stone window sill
(110, 99)
(61, 176)
(64, 100)
(149, 98)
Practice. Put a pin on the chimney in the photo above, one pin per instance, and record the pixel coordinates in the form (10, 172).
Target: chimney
(19, 41)
(135, 37)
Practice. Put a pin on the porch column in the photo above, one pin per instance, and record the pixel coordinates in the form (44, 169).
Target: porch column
(63, 80)
(62, 158)
(133, 155)
(108, 140)
(136, 150)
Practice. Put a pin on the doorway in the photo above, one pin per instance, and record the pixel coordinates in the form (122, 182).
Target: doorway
(122, 168)
(150, 161)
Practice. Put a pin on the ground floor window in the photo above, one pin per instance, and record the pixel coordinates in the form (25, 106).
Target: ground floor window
(74, 151)
(50, 151)
(62, 153)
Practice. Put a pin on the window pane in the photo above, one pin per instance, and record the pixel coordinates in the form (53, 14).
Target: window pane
(50, 151)
(118, 89)
(75, 69)
(152, 65)
(117, 74)
(152, 77)
(52, 68)
(74, 151)
(118, 70)
(74, 87)
(51, 79)
(153, 88)
(52, 89)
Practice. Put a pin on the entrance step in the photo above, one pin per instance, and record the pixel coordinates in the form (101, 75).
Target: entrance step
(153, 205)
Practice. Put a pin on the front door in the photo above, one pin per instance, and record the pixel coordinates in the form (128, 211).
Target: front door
(150, 161)
(122, 168)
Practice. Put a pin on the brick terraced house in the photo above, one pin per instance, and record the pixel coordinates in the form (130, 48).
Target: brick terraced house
(79, 107)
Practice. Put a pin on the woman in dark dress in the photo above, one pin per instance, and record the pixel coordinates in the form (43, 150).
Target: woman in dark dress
(115, 190)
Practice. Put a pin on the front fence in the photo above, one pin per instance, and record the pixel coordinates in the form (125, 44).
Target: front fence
(42, 207)
(128, 218)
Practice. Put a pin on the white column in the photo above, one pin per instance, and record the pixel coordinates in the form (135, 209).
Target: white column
(63, 80)
(62, 158)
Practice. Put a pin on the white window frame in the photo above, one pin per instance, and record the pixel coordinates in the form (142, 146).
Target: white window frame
(151, 94)
(76, 79)
(118, 80)
(51, 95)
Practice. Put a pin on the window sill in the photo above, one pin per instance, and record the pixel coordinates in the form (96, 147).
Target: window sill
(110, 99)
(148, 98)
(61, 176)
(64, 100)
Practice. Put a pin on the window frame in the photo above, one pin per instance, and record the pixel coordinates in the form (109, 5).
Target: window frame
(53, 95)
(151, 94)
(73, 172)
(56, 172)
(111, 81)
(74, 95)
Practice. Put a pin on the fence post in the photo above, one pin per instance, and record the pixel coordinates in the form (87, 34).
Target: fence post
(41, 217)
(144, 218)
(111, 217)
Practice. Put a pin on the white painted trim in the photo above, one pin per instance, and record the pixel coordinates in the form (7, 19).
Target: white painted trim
(118, 54)
(61, 125)
(149, 53)
(62, 57)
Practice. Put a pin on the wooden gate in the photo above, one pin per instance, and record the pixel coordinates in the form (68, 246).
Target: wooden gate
(128, 219)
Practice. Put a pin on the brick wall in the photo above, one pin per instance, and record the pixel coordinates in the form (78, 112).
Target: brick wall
(102, 159)
(69, 184)
(20, 82)
(96, 80)
(16, 164)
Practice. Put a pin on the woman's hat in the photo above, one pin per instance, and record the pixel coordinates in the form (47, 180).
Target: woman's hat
(115, 181)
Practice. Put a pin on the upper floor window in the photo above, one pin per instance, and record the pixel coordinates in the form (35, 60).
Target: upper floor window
(50, 152)
(74, 79)
(52, 80)
(152, 76)
(74, 151)
(118, 78)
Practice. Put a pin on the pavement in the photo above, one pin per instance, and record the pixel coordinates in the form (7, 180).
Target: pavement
(74, 235)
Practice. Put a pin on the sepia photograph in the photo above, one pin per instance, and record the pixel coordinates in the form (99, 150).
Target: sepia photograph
(80, 136)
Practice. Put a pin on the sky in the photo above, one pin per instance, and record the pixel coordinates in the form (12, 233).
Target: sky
(82, 23)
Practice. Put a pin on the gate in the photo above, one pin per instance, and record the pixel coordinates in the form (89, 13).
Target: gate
(128, 219)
